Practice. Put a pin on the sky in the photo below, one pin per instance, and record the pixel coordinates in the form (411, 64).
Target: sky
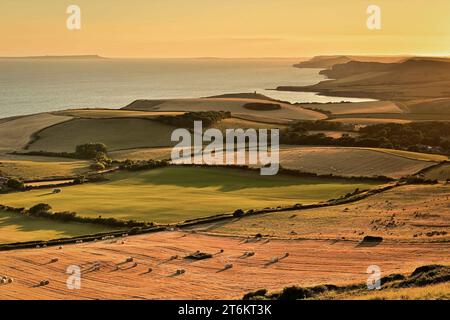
(224, 28)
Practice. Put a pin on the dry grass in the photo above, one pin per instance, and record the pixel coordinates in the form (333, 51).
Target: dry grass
(309, 263)
(432, 292)
(441, 172)
(407, 213)
(111, 113)
(351, 161)
(35, 168)
(359, 107)
(369, 121)
(16, 133)
(162, 153)
(115, 133)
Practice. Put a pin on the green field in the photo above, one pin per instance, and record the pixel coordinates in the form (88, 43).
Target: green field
(15, 227)
(179, 193)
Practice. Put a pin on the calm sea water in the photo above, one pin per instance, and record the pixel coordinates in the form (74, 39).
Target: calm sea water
(32, 86)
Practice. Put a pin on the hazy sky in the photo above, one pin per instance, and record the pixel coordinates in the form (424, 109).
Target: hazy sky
(224, 28)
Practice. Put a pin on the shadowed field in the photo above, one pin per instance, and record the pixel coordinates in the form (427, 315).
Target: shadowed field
(15, 227)
(117, 134)
(179, 193)
(34, 168)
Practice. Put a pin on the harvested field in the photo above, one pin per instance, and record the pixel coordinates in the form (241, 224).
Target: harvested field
(350, 161)
(234, 105)
(37, 168)
(441, 172)
(359, 107)
(369, 121)
(413, 213)
(162, 153)
(16, 133)
(15, 227)
(175, 194)
(115, 133)
(107, 275)
(112, 113)
(236, 123)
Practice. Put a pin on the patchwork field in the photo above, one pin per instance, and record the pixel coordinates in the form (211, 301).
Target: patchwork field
(35, 168)
(16, 133)
(234, 105)
(115, 133)
(178, 193)
(415, 213)
(107, 275)
(368, 162)
(15, 227)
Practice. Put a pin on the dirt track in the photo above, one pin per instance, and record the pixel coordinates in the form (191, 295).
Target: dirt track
(309, 262)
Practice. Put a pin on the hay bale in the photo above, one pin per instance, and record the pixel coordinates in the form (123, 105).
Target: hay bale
(199, 256)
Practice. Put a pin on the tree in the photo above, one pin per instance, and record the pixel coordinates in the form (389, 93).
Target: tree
(90, 150)
(40, 209)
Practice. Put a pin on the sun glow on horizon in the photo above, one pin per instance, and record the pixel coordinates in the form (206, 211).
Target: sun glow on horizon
(202, 28)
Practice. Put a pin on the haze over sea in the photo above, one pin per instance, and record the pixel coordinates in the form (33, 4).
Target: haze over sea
(30, 86)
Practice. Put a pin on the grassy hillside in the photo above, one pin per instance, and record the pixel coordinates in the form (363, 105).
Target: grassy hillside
(34, 168)
(16, 133)
(115, 133)
(180, 193)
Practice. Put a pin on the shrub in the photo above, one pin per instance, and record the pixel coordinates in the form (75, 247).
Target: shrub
(40, 209)
(97, 166)
(238, 213)
(255, 295)
(15, 184)
(262, 106)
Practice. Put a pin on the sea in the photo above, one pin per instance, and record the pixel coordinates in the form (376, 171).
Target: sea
(29, 86)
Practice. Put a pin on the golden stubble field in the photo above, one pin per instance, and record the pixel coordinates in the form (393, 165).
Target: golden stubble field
(309, 262)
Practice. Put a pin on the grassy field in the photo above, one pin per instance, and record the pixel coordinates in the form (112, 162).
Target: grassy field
(179, 193)
(407, 213)
(16, 228)
(309, 263)
(35, 168)
(16, 133)
(115, 133)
